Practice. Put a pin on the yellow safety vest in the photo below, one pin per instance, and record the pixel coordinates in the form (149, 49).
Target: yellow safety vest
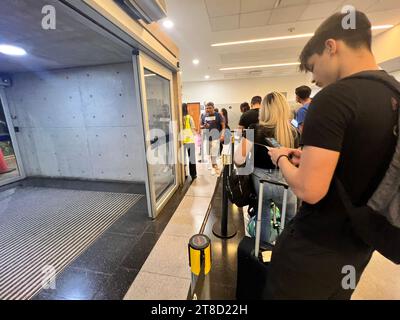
(188, 136)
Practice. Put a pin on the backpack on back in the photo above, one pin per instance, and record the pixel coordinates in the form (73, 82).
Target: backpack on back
(378, 222)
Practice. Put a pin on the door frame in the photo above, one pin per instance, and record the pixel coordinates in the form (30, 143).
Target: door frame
(14, 142)
(145, 62)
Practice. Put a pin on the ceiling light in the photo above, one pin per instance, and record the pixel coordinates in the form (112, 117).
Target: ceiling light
(262, 66)
(382, 27)
(12, 50)
(168, 24)
(297, 36)
(306, 35)
(207, 77)
(196, 61)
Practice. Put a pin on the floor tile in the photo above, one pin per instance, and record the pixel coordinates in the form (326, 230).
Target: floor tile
(140, 251)
(106, 254)
(132, 223)
(73, 284)
(380, 280)
(202, 187)
(184, 225)
(118, 285)
(169, 257)
(150, 286)
(193, 205)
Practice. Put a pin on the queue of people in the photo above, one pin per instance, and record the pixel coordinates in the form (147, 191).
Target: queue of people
(333, 163)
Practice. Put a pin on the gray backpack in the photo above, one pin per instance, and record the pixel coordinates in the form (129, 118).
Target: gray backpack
(378, 222)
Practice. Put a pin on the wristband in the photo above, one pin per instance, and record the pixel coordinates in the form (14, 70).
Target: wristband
(277, 160)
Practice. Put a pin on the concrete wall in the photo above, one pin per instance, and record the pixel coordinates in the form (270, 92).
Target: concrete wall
(79, 123)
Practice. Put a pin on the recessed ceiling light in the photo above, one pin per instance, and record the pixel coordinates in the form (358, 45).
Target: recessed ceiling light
(12, 50)
(297, 36)
(306, 35)
(262, 66)
(196, 61)
(382, 27)
(168, 24)
(207, 77)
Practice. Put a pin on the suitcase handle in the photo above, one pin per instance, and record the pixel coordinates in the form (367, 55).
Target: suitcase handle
(259, 211)
(277, 183)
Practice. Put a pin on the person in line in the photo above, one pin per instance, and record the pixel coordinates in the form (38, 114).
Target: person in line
(348, 136)
(274, 123)
(224, 115)
(251, 116)
(303, 94)
(244, 107)
(214, 123)
(189, 134)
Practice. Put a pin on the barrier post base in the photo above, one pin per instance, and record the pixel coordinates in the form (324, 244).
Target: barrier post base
(230, 230)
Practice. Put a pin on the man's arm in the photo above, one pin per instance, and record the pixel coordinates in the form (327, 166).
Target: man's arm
(311, 180)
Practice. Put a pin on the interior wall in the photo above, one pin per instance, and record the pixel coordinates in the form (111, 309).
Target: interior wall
(231, 93)
(79, 123)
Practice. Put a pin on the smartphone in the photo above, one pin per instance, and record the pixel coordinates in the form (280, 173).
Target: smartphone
(272, 143)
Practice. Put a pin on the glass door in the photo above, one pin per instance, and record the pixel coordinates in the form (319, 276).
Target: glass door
(159, 122)
(10, 165)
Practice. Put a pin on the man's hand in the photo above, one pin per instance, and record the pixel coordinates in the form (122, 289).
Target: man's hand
(294, 155)
(275, 153)
(222, 138)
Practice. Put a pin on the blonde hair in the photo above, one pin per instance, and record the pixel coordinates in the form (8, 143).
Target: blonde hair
(275, 113)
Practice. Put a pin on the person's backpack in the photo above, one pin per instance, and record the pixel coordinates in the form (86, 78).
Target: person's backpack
(378, 222)
(240, 189)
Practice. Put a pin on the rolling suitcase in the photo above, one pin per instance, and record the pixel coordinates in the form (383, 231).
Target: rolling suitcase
(252, 272)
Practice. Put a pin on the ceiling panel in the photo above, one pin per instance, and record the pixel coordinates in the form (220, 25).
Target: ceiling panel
(320, 10)
(256, 19)
(260, 56)
(292, 3)
(361, 5)
(285, 15)
(385, 5)
(219, 8)
(71, 44)
(256, 5)
(224, 23)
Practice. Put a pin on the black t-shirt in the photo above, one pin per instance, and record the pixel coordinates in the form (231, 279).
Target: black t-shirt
(356, 118)
(249, 117)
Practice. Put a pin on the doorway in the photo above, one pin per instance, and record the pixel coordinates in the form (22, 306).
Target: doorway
(10, 164)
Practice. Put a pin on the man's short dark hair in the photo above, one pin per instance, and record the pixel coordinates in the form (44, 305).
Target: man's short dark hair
(332, 28)
(210, 104)
(244, 107)
(256, 100)
(303, 92)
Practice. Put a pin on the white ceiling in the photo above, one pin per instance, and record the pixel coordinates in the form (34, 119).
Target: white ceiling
(71, 44)
(200, 23)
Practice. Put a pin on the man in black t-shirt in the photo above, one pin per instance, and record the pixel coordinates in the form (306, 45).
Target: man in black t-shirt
(348, 135)
(251, 117)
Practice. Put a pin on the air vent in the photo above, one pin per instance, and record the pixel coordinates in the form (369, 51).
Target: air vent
(147, 10)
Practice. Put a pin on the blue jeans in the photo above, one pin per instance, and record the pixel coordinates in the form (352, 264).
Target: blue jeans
(272, 193)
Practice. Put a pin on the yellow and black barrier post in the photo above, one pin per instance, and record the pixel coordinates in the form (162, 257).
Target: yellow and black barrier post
(200, 263)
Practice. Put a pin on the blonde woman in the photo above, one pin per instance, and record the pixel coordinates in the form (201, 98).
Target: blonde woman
(274, 122)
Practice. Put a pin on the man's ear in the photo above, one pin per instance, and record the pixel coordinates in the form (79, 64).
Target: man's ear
(331, 46)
